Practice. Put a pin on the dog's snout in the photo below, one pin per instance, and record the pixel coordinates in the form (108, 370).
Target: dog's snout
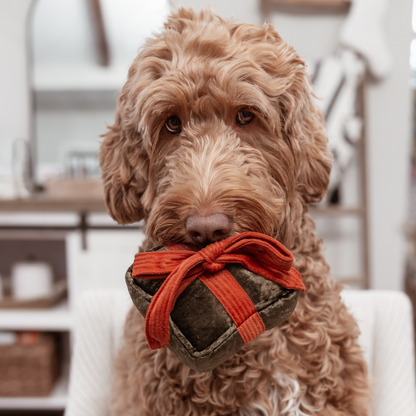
(208, 229)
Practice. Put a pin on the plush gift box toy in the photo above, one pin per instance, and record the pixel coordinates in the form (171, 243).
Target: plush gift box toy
(205, 305)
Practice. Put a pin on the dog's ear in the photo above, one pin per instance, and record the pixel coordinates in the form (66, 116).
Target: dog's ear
(306, 131)
(301, 122)
(124, 165)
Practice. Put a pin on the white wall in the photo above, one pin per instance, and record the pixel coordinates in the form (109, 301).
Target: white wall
(76, 97)
(388, 108)
(104, 264)
(63, 30)
(389, 129)
(15, 119)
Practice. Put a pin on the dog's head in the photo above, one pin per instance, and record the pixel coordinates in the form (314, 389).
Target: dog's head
(215, 127)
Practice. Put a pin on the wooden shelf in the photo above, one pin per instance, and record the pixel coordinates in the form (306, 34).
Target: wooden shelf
(337, 211)
(58, 318)
(57, 400)
(47, 204)
(79, 204)
(312, 3)
(353, 280)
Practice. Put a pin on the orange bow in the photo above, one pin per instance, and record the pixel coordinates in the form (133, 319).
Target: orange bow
(180, 266)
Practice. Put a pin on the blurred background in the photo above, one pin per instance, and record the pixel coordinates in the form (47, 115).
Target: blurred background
(62, 65)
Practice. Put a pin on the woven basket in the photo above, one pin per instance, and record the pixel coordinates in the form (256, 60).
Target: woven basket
(28, 370)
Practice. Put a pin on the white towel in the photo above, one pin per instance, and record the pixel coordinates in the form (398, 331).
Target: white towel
(363, 32)
(336, 79)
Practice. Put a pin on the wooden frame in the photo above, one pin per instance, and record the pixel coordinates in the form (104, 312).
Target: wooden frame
(313, 3)
(100, 35)
(316, 5)
(360, 211)
(310, 3)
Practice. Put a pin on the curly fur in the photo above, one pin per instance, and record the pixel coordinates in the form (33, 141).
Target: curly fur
(204, 69)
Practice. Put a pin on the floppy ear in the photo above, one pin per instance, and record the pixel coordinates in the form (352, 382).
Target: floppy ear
(124, 164)
(300, 121)
(303, 126)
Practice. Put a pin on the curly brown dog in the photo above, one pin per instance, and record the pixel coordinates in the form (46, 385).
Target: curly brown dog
(215, 134)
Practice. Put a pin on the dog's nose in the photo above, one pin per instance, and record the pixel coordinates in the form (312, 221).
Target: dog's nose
(207, 230)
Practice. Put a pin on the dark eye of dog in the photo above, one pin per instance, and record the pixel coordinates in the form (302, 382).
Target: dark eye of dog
(244, 117)
(174, 125)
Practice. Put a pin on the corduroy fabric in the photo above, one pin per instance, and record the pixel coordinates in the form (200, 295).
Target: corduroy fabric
(180, 266)
(236, 302)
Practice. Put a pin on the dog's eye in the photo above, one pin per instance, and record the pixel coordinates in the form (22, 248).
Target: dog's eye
(244, 117)
(174, 125)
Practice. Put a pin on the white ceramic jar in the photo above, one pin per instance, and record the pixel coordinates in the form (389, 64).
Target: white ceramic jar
(31, 280)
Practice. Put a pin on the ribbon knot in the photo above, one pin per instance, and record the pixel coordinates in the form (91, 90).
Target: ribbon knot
(213, 267)
(180, 266)
(210, 255)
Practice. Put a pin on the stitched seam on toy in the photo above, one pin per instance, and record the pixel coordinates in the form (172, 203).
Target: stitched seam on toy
(192, 351)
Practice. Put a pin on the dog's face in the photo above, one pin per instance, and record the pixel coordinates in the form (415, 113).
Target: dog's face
(215, 125)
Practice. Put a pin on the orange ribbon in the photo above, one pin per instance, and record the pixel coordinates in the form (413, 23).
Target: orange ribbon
(180, 266)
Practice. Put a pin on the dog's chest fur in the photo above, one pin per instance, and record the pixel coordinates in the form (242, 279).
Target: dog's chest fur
(243, 386)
